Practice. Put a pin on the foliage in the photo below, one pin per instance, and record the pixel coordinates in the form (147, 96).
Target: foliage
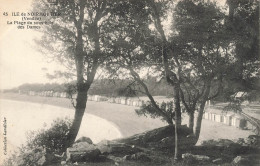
(234, 106)
(41, 143)
(148, 109)
(51, 139)
(126, 92)
(243, 26)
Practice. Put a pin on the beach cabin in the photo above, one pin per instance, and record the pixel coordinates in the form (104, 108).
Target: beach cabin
(123, 101)
(56, 94)
(206, 115)
(118, 100)
(232, 121)
(103, 98)
(97, 98)
(111, 100)
(228, 119)
(222, 118)
(64, 95)
(128, 101)
(90, 98)
(49, 93)
(74, 96)
(32, 93)
(241, 122)
(135, 103)
(218, 118)
(140, 103)
(208, 103)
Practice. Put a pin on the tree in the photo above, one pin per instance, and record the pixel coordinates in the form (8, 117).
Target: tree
(135, 48)
(203, 46)
(171, 72)
(77, 39)
(243, 23)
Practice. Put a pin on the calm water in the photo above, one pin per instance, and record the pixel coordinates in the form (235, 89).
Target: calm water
(19, 117)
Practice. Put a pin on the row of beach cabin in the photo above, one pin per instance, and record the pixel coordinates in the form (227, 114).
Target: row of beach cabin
(97, 98)
(127, 101)
(228, 118)
(117, 100)
(48, 94)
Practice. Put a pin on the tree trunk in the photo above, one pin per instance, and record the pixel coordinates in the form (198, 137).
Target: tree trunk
(201, 110)
(79, 112)
(177, 109)
(191, 121)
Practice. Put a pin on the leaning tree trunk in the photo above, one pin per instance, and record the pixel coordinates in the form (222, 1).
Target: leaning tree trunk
(82, 87)
(177, 109)
(201, 110)
(79, 112)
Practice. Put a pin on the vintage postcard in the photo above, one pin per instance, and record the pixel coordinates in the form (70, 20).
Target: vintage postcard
(129, 82)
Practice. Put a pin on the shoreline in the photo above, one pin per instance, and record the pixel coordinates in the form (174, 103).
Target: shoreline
(123, 117)
(68, 109)
(129, 123)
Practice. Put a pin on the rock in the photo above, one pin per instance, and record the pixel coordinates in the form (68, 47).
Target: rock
(104, 146)
(234, 147)
(154, 136)
(112, 147)
(196, 157)
(84, 139)
(253, 140)
(115, 159)
(189, 159)
(121, 148)
(82, 146)
(239, 160)
(63, 163)
(137, 157)
(219, 142)
(127, 157)
(167, 142)
(202, 158)
(52, 158)
(90, 155)
(217, 161)
(240, 141)
(83, 151)
(105, 142)
(140, 157)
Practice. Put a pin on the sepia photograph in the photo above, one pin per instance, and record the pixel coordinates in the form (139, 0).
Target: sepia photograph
(129, 83)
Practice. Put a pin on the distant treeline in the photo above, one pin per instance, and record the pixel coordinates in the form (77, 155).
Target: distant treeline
(104, 87)
(128, 88)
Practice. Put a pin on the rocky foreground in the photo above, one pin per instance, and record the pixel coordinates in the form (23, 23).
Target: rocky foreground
(155, 147)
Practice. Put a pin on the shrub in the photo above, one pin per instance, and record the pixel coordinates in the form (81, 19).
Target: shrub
(41, 145)
(148, 109)
(52, 139)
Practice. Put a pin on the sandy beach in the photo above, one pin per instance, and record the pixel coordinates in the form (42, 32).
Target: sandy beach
(129, 123)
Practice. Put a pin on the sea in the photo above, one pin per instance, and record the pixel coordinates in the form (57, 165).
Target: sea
(19, 118)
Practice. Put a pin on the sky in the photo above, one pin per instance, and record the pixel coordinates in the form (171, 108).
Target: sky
(20, 62)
